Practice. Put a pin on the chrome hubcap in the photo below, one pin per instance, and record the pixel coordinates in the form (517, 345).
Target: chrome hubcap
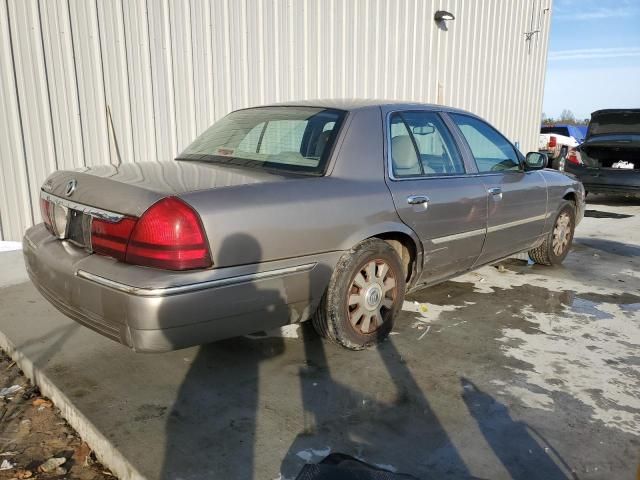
(371, 296)
(561, 233)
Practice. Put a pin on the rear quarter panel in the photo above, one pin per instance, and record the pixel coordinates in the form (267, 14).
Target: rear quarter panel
(559, 186)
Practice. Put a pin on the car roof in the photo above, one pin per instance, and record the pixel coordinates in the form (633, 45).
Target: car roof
(351, 104)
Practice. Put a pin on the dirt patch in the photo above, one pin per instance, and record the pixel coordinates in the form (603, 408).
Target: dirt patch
(35, 441)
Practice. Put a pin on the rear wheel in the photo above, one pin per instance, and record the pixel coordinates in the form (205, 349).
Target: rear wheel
(364, 295)
(557, 244)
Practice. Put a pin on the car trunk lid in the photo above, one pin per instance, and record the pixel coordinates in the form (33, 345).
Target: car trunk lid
(132, 188)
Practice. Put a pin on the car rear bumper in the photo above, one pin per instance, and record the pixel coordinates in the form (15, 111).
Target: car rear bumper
(606, 180)
(157, 311)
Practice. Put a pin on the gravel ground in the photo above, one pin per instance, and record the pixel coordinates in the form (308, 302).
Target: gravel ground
(35, 441)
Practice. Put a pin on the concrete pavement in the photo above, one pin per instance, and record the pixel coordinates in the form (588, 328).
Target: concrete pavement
(525, 372)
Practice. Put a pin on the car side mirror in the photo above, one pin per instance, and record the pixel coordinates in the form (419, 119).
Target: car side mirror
(535, 161)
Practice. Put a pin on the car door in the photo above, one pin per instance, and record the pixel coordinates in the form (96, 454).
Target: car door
(433, 194)
(517, 204)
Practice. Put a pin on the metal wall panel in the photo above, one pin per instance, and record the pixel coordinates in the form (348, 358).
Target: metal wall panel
(85, 82)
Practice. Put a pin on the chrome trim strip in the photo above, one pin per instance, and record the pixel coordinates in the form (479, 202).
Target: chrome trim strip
(515, 223)
(459, 236)
(92, 211)
(193, 287)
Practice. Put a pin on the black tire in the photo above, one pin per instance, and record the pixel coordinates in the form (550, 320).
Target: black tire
(336, 319)
(547, 253)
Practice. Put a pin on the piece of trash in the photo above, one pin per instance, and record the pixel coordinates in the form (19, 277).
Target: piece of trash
(42, 403)
(309, 454)
(6, 392)
(10, 365)
(8, 454)
(315, 384)
(425, 332)
(482, 280)
(52, 464)
(501, 268)
(530, 262)
(394, 333)
(596, 255)
(6, 465)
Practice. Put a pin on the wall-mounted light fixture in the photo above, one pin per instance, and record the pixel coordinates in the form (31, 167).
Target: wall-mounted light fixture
(443, 16)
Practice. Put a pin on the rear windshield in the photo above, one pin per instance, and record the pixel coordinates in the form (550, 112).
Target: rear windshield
(615, 122)
(297, 139)
(557, 130)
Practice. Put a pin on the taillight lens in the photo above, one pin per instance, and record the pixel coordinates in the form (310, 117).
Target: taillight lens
(169, 235)
(45, 211)
(552, 141)
(574, 156)
(111, 238)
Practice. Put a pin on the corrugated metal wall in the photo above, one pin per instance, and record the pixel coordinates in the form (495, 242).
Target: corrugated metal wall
(86, 82)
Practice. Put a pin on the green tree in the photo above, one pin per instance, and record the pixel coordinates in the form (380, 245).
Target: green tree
(567, 116)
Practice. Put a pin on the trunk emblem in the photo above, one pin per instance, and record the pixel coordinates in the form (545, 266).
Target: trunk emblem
(71, 187)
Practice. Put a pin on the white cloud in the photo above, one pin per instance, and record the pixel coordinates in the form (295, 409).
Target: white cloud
(592, 53)
(598, 14)
(573, 11)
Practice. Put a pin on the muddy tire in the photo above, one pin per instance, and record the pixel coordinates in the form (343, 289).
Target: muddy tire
(557, 244)
(364, 295)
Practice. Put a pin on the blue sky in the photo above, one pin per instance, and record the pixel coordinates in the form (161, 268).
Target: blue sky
(594, 56)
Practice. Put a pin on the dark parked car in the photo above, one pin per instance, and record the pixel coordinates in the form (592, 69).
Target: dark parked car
(609, 160)
(330, 210)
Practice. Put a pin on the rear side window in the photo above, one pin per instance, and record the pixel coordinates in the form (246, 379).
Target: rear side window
(282, 138)
(422, 145)
(492, 152)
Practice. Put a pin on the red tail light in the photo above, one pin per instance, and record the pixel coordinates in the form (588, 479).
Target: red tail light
(574, 156)
(169, 235)
(45, 211)
(552, 142)
(109, 238)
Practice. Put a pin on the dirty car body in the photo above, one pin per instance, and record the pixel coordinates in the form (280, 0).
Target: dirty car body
(610, 155)
(273, 198)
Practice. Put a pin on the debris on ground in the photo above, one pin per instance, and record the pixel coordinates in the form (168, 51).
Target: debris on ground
(52, 464)
(35, 441)
(9, 391)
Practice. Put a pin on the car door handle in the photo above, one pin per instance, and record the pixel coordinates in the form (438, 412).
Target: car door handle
(494, 191)
(418, 200)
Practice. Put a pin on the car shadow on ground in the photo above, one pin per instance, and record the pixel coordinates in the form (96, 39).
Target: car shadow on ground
(215, 428)
(612, 200)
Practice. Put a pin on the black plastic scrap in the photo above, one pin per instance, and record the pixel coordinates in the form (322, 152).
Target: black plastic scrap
(339, 466)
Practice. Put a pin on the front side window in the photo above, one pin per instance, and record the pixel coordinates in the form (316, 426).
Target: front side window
(422, 145)
(295, 139)
(492, 152)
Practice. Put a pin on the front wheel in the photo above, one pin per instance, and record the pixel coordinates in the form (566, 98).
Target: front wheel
(364, 295)
(557, 244)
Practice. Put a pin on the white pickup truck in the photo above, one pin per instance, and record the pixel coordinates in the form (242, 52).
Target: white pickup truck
(559, 143)
(557, 148)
